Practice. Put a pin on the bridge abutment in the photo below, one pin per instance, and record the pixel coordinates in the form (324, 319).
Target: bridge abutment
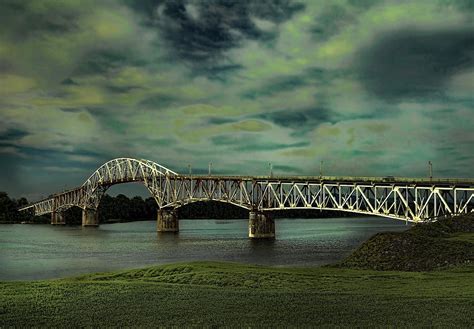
(261, 225)
(167, 221)
(58, 218)
(90, 217)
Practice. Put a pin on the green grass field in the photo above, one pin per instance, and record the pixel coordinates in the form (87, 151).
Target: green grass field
(226, 294)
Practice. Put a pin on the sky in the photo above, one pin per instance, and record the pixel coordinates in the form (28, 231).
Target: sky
(369, 87)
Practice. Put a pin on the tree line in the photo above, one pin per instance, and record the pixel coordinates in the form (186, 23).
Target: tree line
(9, 209)
(121, 208)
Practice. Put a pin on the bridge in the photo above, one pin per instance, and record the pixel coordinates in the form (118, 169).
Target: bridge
(408, 199)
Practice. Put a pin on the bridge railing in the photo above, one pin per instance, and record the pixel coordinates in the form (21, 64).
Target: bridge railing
(364, 179)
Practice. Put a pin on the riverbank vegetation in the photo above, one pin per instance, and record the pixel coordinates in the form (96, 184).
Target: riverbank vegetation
(9, 209)
(445, 243)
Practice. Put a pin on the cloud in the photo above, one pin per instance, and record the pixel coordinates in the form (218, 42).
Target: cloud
(202, 31)
(299, 119)
(414, 62)
(238, 83)
(14, 84)
(280, 84)
(248, 143)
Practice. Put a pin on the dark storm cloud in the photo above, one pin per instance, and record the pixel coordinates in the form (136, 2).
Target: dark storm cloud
(121, 89)
(277, 86)
(158, 101)
(70, 109)
(201, 31)
(5, 67)
(284, 169)
(302, 119)
(248, 143)
(314, 76)
(220, 121)
(47, 169)
(108, 122)
(217, 71)
(47, 156)
(101, 61)
(10, 164)
(334, 17)
(69, 82)
(328, 23)
(12, 134)
(415, 63)
(464, 5)
(24, 20)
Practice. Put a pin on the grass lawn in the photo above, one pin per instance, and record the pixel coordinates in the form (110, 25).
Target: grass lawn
(208, 293)
(468, 237)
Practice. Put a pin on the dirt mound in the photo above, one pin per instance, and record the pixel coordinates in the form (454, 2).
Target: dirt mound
(424, 247)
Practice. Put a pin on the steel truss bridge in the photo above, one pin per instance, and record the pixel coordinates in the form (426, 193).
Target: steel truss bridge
(409, 199)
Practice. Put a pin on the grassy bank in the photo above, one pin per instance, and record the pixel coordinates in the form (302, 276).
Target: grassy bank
(234, 294)
(446, 243)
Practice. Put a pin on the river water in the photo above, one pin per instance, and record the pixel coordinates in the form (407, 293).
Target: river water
(45, 251)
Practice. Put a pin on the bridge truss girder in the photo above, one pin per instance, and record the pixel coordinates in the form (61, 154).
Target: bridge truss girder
(411, 202)
(406, 202)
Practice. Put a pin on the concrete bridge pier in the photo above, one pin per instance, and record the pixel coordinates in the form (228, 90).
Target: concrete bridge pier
(167, 220)
(89, 217)
(58, 218)
(261, 225)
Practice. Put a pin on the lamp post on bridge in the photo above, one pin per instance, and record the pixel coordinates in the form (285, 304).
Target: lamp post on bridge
(271, 169)
(321, 170)
(210, 166)
(430, 165)
(189, 169)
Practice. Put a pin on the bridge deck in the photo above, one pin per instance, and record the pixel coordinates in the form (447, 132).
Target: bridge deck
(341, 179)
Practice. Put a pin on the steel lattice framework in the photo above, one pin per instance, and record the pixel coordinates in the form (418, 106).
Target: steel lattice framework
(116, 171)
(400, 198)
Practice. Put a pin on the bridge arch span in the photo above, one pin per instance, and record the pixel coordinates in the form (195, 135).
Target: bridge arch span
(125, 170)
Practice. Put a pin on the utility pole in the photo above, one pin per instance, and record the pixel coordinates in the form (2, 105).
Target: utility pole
(430, 165)
(210, 166)
(271, 169)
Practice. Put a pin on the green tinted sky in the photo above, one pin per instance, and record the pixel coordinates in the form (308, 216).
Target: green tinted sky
(370, 87)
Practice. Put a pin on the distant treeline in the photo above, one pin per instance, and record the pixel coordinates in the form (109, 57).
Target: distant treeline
(122, 208)
(117, 209)
(9, 209)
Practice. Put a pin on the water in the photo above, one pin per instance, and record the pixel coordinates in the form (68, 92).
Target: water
(45, 251)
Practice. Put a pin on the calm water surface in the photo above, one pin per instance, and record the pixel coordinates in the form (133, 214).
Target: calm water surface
(45, 251)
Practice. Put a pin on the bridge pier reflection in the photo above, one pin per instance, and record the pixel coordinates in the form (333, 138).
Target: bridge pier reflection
(89, 217)
(58, 218)
(261, 225)
(167, 220)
